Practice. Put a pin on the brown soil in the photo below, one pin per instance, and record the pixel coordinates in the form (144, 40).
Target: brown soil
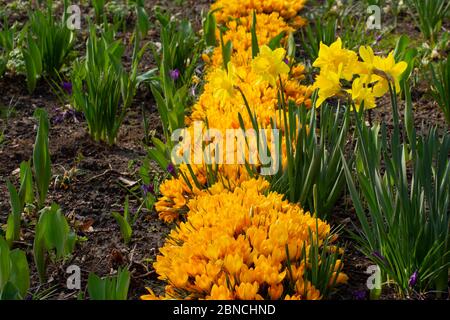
(95, 190)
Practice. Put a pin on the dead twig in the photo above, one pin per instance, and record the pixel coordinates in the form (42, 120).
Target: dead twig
(99, 175)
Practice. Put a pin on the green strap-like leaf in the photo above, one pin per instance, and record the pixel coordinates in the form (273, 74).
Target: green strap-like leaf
(20, 272)
(125, 227)
(96, 287)
(5, 264)
(255, 45)
(13, 228)
(26, 192)
(41, 156)
(122, 285)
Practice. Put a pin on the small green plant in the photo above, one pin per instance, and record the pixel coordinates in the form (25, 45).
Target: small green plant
(6, 45)
(18, 200)
(180, 51)
(440, 86)
(325, 262)
(48, 45)
(209, 29)
(26, 191)
(42, 173)
(109, 288)
(5, 115)
(33, 63)
(171, 103)
(142, 23)
(120, 11)
(125, 222)
(99, 9)
(318, 31)
(404, 52)
(13, 224)
(395, 9)
(147, 185)
(180, 48)
(42, 176)
(97, 87)
(403, 202)
(102, 88)
(14, 273)
(357, 35)
(53, 238)
(431, 15)
(41, 157)
(315, 159)
(227, 49)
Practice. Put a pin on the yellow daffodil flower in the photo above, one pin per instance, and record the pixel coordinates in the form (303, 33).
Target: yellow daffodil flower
(224, 81)
(385, 69)
(368, 57)
(329, 84)
(361, 93)
(332, 58)
(270, 64)
(391, 68)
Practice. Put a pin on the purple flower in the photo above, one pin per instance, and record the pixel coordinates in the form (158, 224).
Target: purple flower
(63, 115)
(378, 39)
(378, 255)
(76, 115)
(171, 169)
(413, 279)
(286, 60)
(147, 188)
(360, 294)
(174, 74)
(67, 87)
(58, 119)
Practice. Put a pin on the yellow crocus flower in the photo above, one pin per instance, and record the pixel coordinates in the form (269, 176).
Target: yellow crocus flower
(233, 263)
(247, 291)
(220, 293)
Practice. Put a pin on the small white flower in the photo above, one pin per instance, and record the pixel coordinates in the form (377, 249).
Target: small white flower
(434, 54)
